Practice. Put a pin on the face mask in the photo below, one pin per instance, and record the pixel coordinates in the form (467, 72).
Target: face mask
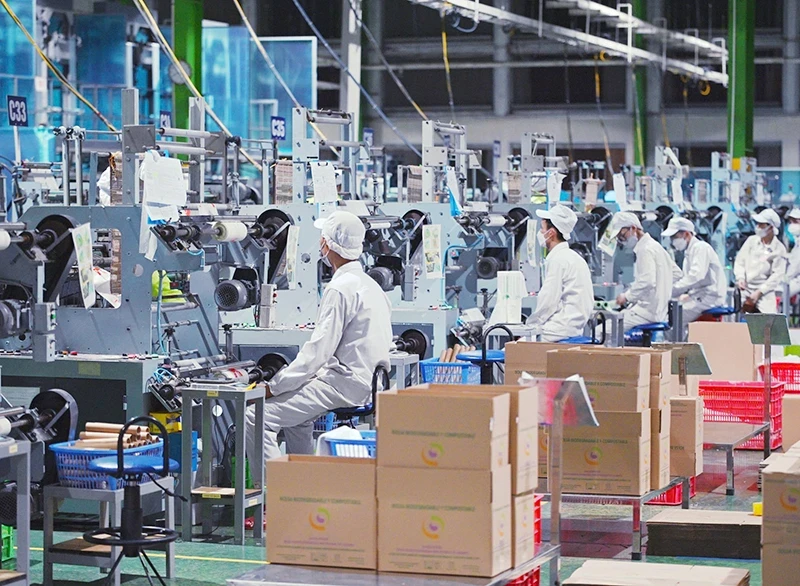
(325, 260)
(679, 244)
(630, 242)
(794, 229)
(541, 239)
(763, 232)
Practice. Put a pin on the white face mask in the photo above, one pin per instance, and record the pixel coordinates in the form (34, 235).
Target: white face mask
(794, 229)
(541, 239)
(679, 244)
(763, 232)
(631, 241)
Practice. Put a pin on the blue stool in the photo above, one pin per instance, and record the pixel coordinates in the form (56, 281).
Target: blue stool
(132, 536)
(644, 333)
(719, 312)
(345, 415)
(583, 340)
(476, 356)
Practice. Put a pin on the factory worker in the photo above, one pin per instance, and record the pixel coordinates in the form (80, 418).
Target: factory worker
(566, 299)
(703, 284)
(760, 265)
(647, 298)
(793, 265)
(352, 336)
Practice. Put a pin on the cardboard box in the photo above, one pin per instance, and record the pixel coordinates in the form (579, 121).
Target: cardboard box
(456, 431)
(523, 428)
(611, 459)
(543, 454)
(791, 420)
(686, 436)
(692, 386)
(524, 547)
(530, 357)
(322, 511)
(780, 564)
(455, 522)
(707, 534)
(780, 485)
(614, 573)
(615, 381)
(660, 447)
(728, 349)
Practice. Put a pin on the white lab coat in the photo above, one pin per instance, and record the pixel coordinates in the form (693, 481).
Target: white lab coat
(763, 268)
(703, 280)
(654, 272)
(566, 299)
(353, 334)
(793, 270)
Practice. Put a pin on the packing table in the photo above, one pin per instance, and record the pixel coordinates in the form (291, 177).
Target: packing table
(635, 502)
(277, 575)
(729, 436)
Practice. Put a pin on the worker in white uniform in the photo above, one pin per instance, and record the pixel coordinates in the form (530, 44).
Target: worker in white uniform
(647, 298)
(760, 265)
(703, 284)
(352, 335)
(793, 263)
(566, 299)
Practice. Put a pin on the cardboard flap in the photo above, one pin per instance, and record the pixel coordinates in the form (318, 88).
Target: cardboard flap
(393, 484)
(611, 366)
(621, 424)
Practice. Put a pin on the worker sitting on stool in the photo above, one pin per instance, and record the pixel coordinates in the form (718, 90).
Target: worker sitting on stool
(760, 265)
(566, 299)
(703, 284)
(654, 271)
(352, 336)
(793, 264)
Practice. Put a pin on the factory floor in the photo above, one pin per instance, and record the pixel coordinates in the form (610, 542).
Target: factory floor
(589, 531)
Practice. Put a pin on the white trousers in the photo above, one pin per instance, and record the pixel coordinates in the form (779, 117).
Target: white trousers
(636, 317)
(296, 409)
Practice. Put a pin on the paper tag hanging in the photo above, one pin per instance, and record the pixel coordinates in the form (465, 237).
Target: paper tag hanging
(621, 190)
(530, 242)
(82, 239)
(323, 176)
(292, 247)
(432, 247)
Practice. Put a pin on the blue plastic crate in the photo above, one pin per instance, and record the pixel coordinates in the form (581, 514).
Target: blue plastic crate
(72, 465)
(449, 373)
(327, 422)
(354, 448)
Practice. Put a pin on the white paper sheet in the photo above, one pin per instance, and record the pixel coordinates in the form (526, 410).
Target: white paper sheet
(432, 247)
(510, 291)
(82, 239)
(292, 247)
(323, 176)
(621, 191)
(164, 182)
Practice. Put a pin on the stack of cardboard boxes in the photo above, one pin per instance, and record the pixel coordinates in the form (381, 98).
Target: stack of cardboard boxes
(646, 434)
(452, 492)
(780, 528)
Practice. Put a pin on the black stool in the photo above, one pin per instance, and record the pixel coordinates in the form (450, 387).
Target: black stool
(133, 537)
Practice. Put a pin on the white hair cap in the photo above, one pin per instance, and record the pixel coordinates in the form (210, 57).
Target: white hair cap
(343, 233)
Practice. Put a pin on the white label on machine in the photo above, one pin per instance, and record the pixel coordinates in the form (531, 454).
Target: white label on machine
(292, 246)
(323, 176)
(164, 182)
(452, 183)
(102, 284)
(677, 192)
(432, 247)
(530, 242)
(735, 191)
(82, 238)
(621, 191)
(554, 188)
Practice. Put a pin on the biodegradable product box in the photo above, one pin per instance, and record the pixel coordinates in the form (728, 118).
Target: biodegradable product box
(791, 420)
(443, 430)
(707, 534)
(780, 486)
(543, 456)
(686, 436)
(615, 381)
(322, 511)
(611, 459)
(728, 349)
(614, 573)
(780, 564)
(522, 514)
(659, 447)
(523, 428)
(455, 522)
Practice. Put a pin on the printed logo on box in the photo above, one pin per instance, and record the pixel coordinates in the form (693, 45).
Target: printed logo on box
(432, 453)
(528, 444)
(501, 526)
(790, 500)
(525, 517)
(593, 456)
(543, 441)
(592, 395)
(319, 519)
(433, 527)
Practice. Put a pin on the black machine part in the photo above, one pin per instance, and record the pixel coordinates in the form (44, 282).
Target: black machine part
(413, 342)
(236, 294)
(270, 364)
(14, 317)
(387, 272)
(491, 261)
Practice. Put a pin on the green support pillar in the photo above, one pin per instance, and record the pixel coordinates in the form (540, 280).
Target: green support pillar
(187, 40)
(640, 97)
(741, 76)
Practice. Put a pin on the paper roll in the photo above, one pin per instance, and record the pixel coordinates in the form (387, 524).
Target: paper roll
(230, 231)
(5, 426)
(5, 240)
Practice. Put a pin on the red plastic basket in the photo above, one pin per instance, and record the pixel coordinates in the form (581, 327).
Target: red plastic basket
(532, 578)
(743, 402)
(785, 372)
(537, 519)
(674, 496)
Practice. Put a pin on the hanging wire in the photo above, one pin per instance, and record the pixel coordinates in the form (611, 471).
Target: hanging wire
(686, 133)
(153, 24)
(447, 77)
(52, 67)
(663, 111)
(363, 90)
(567, 99)
(377, 46)
(597, 94)
(637, 117)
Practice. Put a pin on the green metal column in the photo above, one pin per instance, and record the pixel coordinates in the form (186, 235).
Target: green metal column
(640, 96)
(187, 40)
(742, 76)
